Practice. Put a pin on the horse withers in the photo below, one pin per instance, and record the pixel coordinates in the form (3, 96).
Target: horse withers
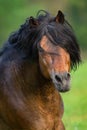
(35, 65)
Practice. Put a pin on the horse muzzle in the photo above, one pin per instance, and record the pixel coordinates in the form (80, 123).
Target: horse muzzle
(61, 81)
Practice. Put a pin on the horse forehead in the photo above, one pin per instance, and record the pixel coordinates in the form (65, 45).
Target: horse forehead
(43, 42)
(46, 44)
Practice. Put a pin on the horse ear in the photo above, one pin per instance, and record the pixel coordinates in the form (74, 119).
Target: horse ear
(33, 22)
(60, 17)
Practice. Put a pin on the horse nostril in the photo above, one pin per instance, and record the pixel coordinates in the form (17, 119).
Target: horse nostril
(68, 76)
(58, 78)
(62, 77)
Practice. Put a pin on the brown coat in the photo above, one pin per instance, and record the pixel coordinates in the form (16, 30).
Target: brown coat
(25, 103)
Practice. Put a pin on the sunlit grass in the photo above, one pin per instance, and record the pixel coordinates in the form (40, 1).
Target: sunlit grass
(75, 101)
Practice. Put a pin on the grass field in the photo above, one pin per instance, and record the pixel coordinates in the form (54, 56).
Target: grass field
(75, 101)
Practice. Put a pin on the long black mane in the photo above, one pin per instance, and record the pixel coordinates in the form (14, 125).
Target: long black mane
(26, 39)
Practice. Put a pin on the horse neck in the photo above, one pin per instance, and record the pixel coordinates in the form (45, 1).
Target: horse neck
(42, 90)
(37, 82)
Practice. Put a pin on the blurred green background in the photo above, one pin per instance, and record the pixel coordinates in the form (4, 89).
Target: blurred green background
(13, 14)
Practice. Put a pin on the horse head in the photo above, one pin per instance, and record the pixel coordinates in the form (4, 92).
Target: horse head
(55, 64)
(58, 52)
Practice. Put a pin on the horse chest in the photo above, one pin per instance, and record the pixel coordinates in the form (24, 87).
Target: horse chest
(47, 114)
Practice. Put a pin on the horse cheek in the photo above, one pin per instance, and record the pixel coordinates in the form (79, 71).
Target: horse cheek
(44, 67)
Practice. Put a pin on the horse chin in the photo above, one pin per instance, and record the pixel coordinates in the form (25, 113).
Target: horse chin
(61, 88)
